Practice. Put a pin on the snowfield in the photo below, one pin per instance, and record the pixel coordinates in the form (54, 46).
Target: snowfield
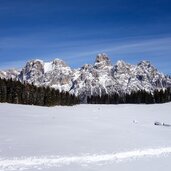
(85, 138)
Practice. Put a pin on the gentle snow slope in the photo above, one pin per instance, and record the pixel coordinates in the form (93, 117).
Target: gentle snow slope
(85, 137)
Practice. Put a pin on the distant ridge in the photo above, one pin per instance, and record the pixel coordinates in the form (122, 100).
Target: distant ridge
(101, 78)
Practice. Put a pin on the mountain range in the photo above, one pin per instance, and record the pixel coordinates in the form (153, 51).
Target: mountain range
(100, 78)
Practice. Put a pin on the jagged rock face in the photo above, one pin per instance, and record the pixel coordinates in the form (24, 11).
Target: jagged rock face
(58, 75)
(93, 79)
(55, 74)
(32, 72)
(102, 61)
(97, 79)
(142, 76)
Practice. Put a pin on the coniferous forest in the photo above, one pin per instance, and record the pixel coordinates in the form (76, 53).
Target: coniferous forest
(12, 91)
(138, 97)
(18, 93)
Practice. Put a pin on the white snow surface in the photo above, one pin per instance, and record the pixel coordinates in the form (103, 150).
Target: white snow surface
(85, 137)
(48, 67)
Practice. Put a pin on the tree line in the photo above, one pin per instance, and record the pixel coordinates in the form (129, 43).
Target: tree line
(13, 91)
(158, 96)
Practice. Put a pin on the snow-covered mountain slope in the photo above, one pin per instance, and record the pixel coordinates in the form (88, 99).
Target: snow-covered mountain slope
(85, 138)
(54, 74)
(11, 73)
(97, 79)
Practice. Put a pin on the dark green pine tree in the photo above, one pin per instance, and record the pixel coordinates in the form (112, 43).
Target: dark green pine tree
(13, 91)
(3, 90)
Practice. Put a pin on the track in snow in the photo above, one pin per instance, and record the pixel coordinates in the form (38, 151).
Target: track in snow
(25, 163)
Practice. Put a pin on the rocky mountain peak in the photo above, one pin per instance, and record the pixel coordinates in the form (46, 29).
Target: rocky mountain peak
(34, 65)
(121, 63)
(147, 67)
(102, 57)
(122, 67)
(86, 67)
(102, 60)
(32, 70)
(54, 65)
(96, 79)
(59, 63)
(144, 63)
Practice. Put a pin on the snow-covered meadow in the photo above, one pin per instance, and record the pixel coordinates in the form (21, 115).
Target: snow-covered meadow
(85, 138)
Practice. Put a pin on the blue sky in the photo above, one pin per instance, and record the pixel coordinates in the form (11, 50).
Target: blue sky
(76, 31)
